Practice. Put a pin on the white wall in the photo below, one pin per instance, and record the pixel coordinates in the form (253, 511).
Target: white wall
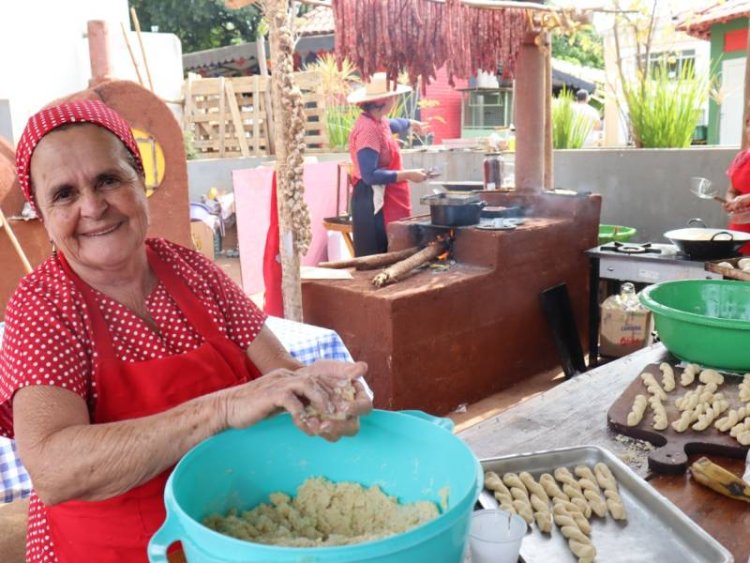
(44, 53)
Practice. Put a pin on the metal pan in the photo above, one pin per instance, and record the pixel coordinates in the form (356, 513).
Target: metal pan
(708, 244)
(656, 530)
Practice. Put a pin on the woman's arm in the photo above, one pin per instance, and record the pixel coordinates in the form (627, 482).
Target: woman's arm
(374, 176)
(70, 458)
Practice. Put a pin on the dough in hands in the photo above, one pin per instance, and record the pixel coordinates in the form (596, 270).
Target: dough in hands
(636, 412)
(667, 380)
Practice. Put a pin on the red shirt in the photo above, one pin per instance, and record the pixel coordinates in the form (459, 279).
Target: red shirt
(47, 338)
(367, 133)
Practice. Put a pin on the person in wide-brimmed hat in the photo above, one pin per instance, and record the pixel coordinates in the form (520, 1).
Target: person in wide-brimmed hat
(381, 186)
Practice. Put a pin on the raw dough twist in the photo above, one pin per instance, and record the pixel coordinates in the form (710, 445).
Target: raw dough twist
(740, 427)
(539, 502)
(745, 388)
(688, 374)
(571, 488)
(653, 386)
(688, 417)
(551, 488)
(661, 421)
(744, 438)
(667, 380)
(578, 542)
(532, 486)
(512, 480)
(523, 509)
(574, 511)
(493, 482)
(587, 481)
(608, 482)
(731, 419)
(636, 412)
(711, 376)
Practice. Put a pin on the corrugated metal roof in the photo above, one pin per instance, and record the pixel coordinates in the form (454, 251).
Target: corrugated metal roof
(698, 22)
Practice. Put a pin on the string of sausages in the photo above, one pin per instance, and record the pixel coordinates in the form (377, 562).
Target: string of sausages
(421, 36)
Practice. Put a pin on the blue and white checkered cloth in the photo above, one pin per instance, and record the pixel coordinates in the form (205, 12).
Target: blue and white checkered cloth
(305, 343)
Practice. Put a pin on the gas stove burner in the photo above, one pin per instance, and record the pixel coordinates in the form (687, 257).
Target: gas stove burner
(631, 248)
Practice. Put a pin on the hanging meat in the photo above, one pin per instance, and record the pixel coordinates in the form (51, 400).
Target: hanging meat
(421, 36)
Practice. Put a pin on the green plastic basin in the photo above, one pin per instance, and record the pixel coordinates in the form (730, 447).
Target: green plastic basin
(608, 233)
(703, 321)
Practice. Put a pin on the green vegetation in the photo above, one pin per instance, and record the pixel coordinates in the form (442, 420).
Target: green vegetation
(583, 47)
(664, 109)
(569, 127)
(200, 24)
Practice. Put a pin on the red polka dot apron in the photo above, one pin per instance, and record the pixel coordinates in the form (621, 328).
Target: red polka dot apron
(740, 176)
(118, 529)
(397, 199)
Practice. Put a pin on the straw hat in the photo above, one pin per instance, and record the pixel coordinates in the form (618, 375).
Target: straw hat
(376, 89)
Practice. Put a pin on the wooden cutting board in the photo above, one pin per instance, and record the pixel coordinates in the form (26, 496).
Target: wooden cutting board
(672, 448)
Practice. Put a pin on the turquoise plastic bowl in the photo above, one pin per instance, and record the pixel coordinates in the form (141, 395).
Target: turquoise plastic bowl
(703, 321)
(410, 454)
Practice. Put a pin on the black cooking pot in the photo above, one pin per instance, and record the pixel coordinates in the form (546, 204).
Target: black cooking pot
(702, 243)
(454, 210)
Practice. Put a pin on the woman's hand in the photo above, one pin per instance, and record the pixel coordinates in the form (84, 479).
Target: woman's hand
(737, 204)
(317, 386)
(419, 127)
(417, 175)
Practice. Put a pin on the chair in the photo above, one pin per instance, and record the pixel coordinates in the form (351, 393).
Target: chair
(342, 222)
(14, 241)
(559, 313)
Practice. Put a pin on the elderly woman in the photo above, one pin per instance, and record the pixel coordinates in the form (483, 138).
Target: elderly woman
(381, 189)
(121, 353)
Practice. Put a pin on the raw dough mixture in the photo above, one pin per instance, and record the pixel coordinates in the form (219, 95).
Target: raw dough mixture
(324, 514)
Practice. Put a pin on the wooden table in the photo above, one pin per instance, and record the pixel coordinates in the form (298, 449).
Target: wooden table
(574, 413)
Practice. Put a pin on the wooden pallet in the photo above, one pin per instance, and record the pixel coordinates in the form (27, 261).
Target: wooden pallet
(228, 116)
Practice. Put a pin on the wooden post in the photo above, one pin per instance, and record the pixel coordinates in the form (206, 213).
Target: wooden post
(529, 96)
(291, 287)
(222, 117)
(548, 152)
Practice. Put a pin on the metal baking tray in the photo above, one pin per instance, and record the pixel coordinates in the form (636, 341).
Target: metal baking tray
(656, 530)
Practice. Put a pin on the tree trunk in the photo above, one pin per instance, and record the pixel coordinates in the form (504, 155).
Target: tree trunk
(291, 287)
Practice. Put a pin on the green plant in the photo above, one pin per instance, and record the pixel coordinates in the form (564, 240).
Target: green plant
(569, 127)
(664, 109)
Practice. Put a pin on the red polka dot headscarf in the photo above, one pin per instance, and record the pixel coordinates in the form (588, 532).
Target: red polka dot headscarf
(49, 119)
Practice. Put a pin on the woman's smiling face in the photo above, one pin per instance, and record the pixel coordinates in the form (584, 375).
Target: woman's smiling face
(90, 196)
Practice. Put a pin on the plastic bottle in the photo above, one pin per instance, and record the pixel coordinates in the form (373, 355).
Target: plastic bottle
(625, 323)
(493, 171)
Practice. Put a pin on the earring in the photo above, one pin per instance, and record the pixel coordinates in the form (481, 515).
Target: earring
(54, 249)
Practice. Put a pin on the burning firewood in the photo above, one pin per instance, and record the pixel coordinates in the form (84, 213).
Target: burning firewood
(373, 261)
(402, 269)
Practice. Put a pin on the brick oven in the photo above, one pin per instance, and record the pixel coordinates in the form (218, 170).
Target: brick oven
(474, 325)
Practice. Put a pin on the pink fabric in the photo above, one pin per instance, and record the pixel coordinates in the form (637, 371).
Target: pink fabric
(49, 119)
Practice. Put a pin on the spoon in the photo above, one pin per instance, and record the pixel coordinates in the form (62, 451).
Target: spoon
(701, 187)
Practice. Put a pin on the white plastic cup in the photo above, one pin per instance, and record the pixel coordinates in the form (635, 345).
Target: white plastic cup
(495, 536)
